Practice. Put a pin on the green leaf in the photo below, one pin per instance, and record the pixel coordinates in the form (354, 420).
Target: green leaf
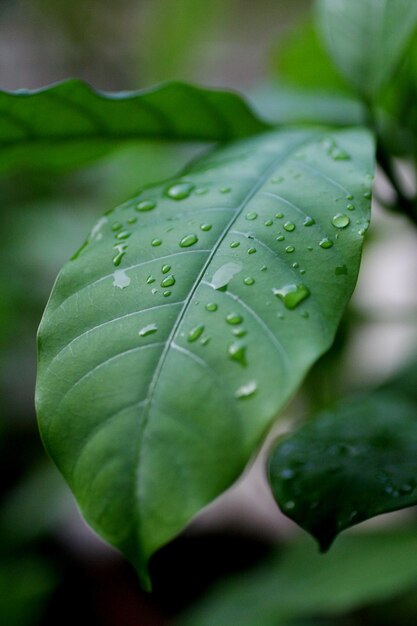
(69, 122)
(367, 38)
(187, 320)
(351, 463)
(361, 569)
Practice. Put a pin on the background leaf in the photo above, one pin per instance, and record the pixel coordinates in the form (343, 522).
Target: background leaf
(69, 123)
(366, 38)
(350, 463)
(189, 317)
(301, 583)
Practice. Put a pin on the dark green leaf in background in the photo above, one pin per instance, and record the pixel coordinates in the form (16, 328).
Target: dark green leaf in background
(181, 328)
(366, 38)
(351, 463)
(69, 123)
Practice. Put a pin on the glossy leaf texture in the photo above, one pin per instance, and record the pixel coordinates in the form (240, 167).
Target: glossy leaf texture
(70, 122)
(351, 463)
(175, 335)
(366, 38)
(299, 583)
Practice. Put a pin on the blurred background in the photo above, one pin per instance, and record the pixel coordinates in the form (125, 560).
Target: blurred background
(53, 569)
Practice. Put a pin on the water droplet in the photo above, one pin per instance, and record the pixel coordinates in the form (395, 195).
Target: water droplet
(206, 227)
(237, 352)
(289, 226)
(148, 330)
(235, 244)
(280, 238)
(121, 251)
(367, 195)
(302, 271)
(350, 207)
(247, 390)
(279, 215)
(268, 223)
(295, 265)
(326, 243)
(249, 280)
(156, 242)
(239, 332)
(154, 291)
(251, 216)
(204, 340)
(289, 249)
(132, 220)
(234, 318)
(116, 226)
(340, 220)
(121, 279)
(150, 280)
(225, 189)
(195, 333)
(223, 276)
(188, 240)
(211, 306)
(309, 221)
(349, 196)
(165, 269)
(168, 281)
(167, 293)
(145, 205)
(340, 270)
(291, 295)
(125, 234)
(179, 191)
(251, 250)
(264, 268)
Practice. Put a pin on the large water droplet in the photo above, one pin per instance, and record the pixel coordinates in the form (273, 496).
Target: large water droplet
(340, 220)
(289, 226)
(168, 281)
(145, 205)
(224, 275)
(237, 352)
(195, 333)
(234, 318)
(179, 191)
(148, 330)
(121, 279)
(247, 390)
(188, 240)
(291, 295)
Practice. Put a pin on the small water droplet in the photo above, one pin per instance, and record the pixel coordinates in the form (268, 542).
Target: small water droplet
(264, 268)
(280, 238)
(289, 226)
(309, 221)
(237, 352)
(124, 234)
(121, 251)
(132, 220)
(121, 279)
(291, 295)
(289, 249)
(116, 226)
(195, 333)
(145, 205)
(154, 291)
(204, 340)
(211, 306)
(234, 318)
(367, 195)
(179, 191)
(268, 223)
(279, 215)
(206, 227)
(239, 332)
(167, 293)
(223, 276)
(340, 270)
(326, 243)
(349, 196)
(150, 329)
(165, 269)
(340, 220)
(251, 250)
(249, 280)
(251, 216)
(235, 244)
(350, 207)
(225, 189)
(295, 265)
(168, 281)
(302, 271)
(188, 240)
(247, 390)
(156, 242)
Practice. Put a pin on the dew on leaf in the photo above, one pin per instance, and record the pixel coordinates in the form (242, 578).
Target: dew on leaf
(167, 293)
(279, 215)
(211, 307)
(235, 244)
(150, 280)
(225, 189)
(237, 352)
(264, 268)
(349, 196)
(195, 333)
(200, 191)
(249, 280)
(340, 220)
(179, 191)
(156, 242)
(367, 195)
(168, 281)
(277, 179)
(268, 223)
(251, 216)
(239, 332)
(289, 249)
(145, 205)
(295, 265)
(291, 295)
(247, 390)
(148, 330)
(204, 340)
(234, 318)
(121, 279)
(251, 250)
(116, 226)
(326, 243)
(165, 269)
(280, 238)
(289, 227)
(223, 276)
(188, 240)
(206, 227)
(132, 220)
(350, 207)
(124, 234)
(309, 221)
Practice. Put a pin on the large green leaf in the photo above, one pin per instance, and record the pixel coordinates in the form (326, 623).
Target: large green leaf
(175, 335)
(301, 583)
(366, 38)
(68, 123)
(351, 463)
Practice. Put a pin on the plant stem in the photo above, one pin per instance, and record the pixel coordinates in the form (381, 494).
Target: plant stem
(405, 204)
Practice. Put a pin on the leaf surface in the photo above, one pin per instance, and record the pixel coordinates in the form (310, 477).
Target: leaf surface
(351, 463)
(183, 325)
(69, 122)
(367, 38)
